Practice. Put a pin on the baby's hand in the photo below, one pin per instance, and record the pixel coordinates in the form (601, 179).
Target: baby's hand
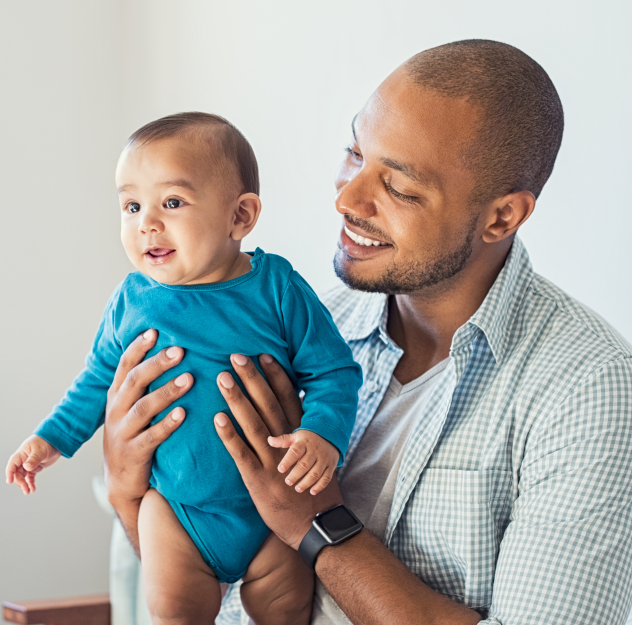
(314, 460)
(33, 455)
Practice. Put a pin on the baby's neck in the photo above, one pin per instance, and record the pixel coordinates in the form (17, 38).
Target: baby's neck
(236, 266)
(240, 267)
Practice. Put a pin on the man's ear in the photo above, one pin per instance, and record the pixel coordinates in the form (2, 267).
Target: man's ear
(246, 215)
(507, 214)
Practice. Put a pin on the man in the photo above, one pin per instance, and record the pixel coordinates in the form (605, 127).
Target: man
(492, 453)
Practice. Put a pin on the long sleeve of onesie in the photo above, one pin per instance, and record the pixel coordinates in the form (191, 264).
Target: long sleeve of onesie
(322, 363)
(270, 310)
(81, 411)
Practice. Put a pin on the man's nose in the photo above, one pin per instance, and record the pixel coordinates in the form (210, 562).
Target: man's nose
(151, 221)
(356, 195)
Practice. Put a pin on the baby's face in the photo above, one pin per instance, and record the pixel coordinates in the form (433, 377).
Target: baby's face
(176, 216)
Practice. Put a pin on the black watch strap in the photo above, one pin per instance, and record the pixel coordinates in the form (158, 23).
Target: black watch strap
(328, 528)
(311, 546)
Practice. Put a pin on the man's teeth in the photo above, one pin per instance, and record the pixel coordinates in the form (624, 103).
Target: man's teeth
(356, 238)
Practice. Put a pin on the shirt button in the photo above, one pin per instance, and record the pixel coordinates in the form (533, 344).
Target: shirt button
(372, 386)
(231, 579)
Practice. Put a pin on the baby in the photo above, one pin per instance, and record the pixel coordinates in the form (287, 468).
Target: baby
(188, 187)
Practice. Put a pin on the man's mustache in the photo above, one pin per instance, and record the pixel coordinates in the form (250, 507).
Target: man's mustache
(368, 227)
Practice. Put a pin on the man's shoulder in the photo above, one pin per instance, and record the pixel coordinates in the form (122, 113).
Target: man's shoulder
(572, 324)
(557, 345)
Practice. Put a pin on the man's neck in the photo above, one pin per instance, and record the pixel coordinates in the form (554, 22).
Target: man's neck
(423, 324)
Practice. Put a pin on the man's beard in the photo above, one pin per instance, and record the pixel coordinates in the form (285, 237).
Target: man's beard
(416, 276)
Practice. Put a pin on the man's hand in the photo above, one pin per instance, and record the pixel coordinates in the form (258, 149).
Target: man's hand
(128, 441)
(273, 410)
(33, 456)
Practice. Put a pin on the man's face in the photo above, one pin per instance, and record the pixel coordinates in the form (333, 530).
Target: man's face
(176, 218)
(403, 186)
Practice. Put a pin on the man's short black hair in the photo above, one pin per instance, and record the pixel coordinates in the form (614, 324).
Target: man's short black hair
(225, 143)
(523, 120)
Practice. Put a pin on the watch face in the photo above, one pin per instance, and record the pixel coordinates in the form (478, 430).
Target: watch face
(338, 523)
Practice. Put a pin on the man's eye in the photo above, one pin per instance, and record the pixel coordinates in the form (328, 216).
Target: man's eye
(173, 203)
(404, 198)
(353, 153)
(133, 207)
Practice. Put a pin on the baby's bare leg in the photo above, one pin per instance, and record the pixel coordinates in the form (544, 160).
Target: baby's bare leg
(179, 586)
(278, 587)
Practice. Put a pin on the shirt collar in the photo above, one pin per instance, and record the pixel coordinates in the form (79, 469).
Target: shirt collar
(366, 318)
(494, 317)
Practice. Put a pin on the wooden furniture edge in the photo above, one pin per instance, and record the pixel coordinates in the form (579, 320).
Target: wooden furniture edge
(88, 610)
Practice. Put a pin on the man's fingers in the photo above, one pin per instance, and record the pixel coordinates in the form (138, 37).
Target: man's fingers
(133, 356)
(161, 431)
(146, 408)
(283, 390)
(251, 423)
(244, 458)
(261, 395)
(139, 377)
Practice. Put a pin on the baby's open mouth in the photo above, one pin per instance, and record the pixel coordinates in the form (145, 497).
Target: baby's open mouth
(159, 255)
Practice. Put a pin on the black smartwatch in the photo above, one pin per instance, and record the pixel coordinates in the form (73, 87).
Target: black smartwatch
(328, 528)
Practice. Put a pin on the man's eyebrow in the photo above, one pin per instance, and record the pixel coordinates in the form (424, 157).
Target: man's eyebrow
(427, 180)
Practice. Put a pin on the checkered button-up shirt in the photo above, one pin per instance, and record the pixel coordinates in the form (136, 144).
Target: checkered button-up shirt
(514, 495)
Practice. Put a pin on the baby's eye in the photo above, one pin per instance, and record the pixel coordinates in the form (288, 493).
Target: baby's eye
(133, 207)
(173, 203)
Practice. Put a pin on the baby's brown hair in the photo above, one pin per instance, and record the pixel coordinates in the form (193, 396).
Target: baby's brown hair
(224, 141)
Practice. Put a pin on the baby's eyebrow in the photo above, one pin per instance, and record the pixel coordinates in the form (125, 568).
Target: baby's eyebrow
(125, 187)
(181, 182)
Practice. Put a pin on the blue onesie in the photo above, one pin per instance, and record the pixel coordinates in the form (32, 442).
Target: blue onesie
(270, 310)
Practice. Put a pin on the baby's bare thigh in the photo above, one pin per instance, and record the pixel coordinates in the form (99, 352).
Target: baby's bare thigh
(179, 585)
(278, 587)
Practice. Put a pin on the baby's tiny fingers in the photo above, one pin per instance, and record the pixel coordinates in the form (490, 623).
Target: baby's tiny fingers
(300, 469)
(322, 483)
(30, 480)
(312, 476)
(294, 454)
(21, 482)
(15, 462)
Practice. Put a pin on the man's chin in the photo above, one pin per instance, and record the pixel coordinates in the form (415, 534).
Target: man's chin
(344, 267)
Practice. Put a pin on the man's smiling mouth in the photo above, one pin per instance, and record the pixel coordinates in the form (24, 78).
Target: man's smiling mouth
(360, 240)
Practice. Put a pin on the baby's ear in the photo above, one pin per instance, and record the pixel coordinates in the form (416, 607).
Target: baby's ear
(246, 215)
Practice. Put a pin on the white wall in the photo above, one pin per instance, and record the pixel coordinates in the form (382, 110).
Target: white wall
(292, 75)
(77, 77)
(60, 125)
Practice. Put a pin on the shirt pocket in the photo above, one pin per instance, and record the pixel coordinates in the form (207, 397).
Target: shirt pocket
(450, 532)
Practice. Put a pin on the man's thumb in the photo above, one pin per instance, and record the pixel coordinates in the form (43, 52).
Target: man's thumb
(284, 441)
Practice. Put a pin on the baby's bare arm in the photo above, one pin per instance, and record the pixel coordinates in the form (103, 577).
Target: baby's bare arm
(33, 455)
(314, 460)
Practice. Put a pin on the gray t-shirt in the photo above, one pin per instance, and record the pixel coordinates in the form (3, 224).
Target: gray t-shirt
(368, 483)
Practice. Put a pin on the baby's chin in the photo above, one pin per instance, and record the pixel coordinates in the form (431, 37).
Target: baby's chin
(162, 275)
